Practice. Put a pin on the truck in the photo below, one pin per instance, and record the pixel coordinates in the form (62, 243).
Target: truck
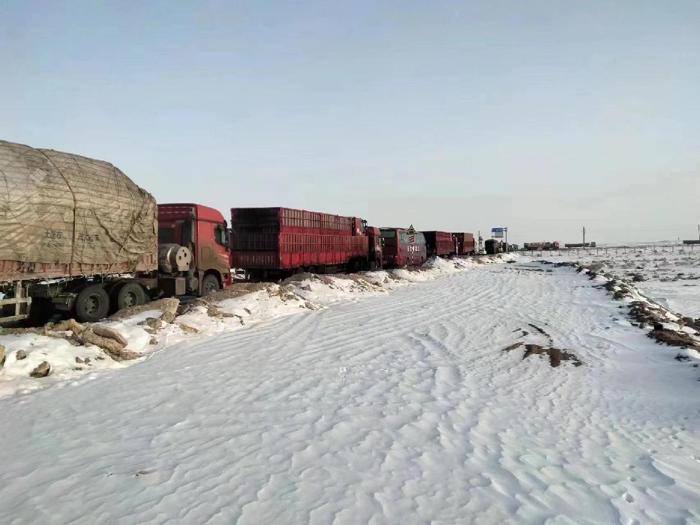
(79, 236)
(403, 247)
(494, 246)
(466, 245)
(580, 245)
(276, 242)
(544, 245)
(440, 243)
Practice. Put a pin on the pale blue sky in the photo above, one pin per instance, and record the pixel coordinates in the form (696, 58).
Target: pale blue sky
(543, 116)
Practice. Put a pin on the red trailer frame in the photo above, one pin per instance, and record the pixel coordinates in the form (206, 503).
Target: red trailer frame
(282, 240)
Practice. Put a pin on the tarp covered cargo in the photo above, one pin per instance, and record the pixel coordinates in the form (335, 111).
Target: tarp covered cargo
(63, 209)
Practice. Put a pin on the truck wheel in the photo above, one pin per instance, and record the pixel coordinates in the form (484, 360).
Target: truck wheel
(210, 284)
(130, 295)
(92, 304)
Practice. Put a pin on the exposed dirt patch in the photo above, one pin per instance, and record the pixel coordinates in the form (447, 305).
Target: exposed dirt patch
(541, 331)
(236, 290)
(556, 355)
(512, 347)
(168, 306)
(672, 338)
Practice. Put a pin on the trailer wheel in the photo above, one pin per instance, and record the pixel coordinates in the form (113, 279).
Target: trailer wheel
(92, 304)
(130, 295)
(210, 284)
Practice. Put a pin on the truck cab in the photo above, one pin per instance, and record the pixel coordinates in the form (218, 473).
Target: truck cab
(403, 247)
(204, 232)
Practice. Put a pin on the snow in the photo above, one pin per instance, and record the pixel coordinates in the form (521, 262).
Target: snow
(671, 273)
(248, 310)
(401, 407)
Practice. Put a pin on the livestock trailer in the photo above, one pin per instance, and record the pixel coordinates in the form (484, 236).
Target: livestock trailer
(439, 243)
(403, 247)
(465, 243)
(280, 241)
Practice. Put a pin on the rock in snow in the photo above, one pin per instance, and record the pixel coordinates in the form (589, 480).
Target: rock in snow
(109, 333)
(42, 370)
(110, 341)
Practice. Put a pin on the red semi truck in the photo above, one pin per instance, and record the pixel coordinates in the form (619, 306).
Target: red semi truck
(77, 235)
(403, 247)
(269, 242)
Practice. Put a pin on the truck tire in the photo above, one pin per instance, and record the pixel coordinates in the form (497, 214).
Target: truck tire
(210, 284)
(92, 304)
(130, 295)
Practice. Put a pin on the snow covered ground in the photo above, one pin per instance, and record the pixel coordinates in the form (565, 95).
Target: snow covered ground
(402, 407)
(670, 273)
(70, 363)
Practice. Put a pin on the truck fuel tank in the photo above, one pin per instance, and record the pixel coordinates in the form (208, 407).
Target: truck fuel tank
(173, 258)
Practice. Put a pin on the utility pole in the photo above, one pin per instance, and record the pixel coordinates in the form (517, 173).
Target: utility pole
(506, 230)
(584, 237)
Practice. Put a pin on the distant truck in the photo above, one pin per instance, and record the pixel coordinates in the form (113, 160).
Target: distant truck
(541, 245)
(439, 243)
(494, 246)
(580, 245)
(77, 235)
(465, 243)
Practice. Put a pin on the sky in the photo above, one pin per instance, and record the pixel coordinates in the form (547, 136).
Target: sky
(540, 116)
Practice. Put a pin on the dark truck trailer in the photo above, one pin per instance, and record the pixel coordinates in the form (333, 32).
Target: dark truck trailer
(493, 246)
(544, 245)
(466, 245)
(270, 242)
(580, 245)
(439, 243)
(77, 235)
(403, 247)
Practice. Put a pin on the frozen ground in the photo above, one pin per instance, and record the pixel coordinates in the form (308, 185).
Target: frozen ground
(71, 364)
(401, 407)
(671, 273)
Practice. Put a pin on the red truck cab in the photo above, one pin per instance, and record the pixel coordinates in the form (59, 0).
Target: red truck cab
(403, 247)
(204, 231)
